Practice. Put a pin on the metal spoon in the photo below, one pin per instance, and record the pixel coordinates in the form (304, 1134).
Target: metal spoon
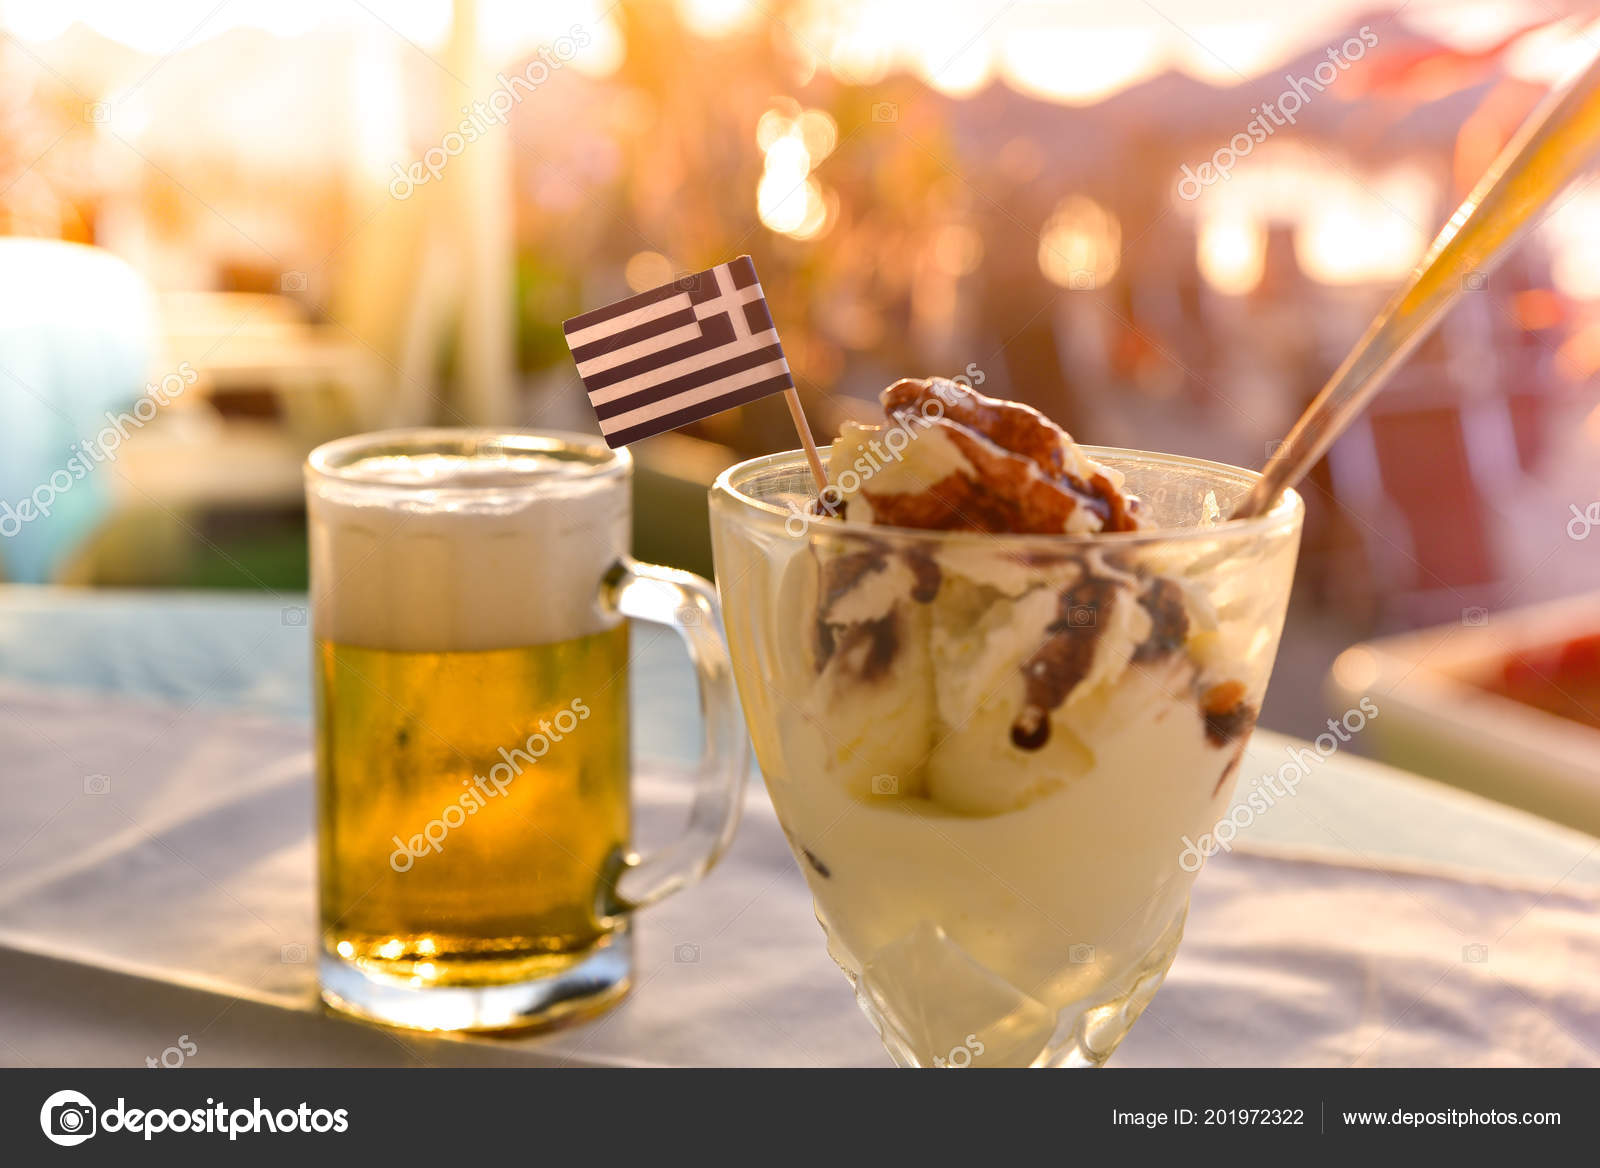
(1551, 149)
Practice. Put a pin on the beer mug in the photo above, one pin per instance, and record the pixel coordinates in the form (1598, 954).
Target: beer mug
(470, 596)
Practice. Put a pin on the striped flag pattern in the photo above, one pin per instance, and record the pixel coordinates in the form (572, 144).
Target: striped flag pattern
(678, 353)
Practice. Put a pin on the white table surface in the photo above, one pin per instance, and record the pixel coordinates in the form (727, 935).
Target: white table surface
(1346, 929)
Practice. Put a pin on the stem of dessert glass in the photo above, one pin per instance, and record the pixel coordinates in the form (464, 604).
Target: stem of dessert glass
(1551, 149)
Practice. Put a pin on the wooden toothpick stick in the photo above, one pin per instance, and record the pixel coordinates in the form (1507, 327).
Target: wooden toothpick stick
(803, 428)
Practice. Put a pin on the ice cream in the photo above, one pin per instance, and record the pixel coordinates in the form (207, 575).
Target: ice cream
(977, 464)
(989, 751)
(1006, 647)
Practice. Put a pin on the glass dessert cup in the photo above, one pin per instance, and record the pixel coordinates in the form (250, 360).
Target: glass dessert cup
(989, 752)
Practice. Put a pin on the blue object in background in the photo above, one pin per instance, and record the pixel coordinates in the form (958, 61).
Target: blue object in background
(77, 332)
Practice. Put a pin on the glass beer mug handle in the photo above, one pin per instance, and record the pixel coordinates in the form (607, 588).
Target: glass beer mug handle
(687, 604)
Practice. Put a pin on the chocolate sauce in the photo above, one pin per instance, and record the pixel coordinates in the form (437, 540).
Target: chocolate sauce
(817, 865)
(1064, 659)
(927, 573)
(882, 639)
(1230, 725)
(1031, 730)
(842, 573)
(877, 640)
(823, 642)
(1169, 620)
(1088, 497)
(1120, 507)
(1233, 765)
(1228, 716)
(954, 503)
(1018, 429)
(838, 576)
(1020, 481)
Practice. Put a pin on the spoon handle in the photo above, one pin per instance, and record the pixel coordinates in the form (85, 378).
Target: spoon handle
(1551, 149)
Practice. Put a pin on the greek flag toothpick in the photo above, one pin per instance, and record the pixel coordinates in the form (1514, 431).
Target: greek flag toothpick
(681, 352)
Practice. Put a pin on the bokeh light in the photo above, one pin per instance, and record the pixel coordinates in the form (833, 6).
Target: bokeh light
(789, 199)
(713, 18)
(646, 270)
(1081, 245)
(1232, 252)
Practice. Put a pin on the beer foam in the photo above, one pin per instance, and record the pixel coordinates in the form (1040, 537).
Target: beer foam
(472, 553)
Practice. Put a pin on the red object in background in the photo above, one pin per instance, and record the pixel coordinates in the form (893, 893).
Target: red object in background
(1423, 69)
(1562, 679)
(1428, 477)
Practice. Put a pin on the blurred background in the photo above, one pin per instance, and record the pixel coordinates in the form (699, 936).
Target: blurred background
(297, 219)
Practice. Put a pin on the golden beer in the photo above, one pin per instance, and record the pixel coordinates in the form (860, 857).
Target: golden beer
(470, 598)
(473, 806)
